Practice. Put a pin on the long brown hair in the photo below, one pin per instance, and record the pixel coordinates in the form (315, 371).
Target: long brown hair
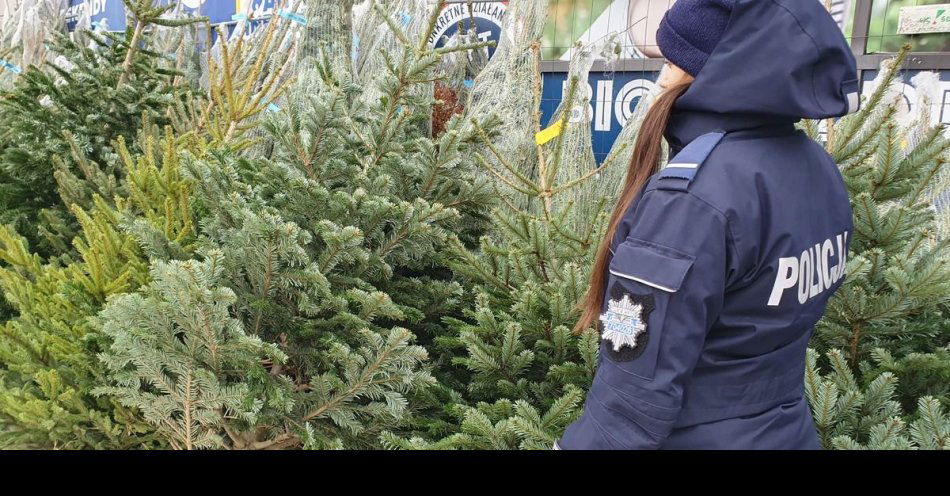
(643, 163)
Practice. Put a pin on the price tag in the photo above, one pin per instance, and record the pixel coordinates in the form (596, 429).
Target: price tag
(551, 132)
(925, 19)
(10, 67)
(293, 16)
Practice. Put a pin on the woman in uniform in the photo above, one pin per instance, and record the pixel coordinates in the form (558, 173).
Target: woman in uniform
(715, 269)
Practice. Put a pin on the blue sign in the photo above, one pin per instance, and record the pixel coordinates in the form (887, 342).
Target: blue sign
(485, 18)
(217, 11)
(109, 12)
(614, 97)
(113, 11)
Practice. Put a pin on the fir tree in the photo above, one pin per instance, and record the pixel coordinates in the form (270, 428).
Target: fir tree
(178, 356)
(898, 270)
(136, 208)
(48, 349)
(520, 368)
(332, 231)
(299, 263)
(139, 207)
(885, 333)
(849, 415)
(246, 75)
(84, 100)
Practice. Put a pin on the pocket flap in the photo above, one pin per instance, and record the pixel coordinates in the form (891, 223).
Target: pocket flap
(649, 263)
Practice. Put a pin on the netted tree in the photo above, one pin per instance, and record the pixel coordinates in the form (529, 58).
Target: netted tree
(25, 25)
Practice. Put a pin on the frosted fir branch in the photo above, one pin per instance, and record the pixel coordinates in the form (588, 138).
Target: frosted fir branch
(145, 13)
(851, 125)
(487, 141)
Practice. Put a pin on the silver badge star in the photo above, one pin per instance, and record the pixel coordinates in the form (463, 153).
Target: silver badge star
(623, 322)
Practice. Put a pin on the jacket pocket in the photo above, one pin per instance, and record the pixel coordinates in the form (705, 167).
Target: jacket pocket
(643, 278)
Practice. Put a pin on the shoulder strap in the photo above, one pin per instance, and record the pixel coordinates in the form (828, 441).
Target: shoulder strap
(683, 167)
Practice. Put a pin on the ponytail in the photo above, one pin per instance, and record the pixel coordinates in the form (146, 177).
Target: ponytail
(643, 164)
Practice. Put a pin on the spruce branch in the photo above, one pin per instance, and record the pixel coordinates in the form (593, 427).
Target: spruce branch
(146, 14)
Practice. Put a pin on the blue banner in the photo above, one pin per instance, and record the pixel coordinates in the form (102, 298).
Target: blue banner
(110, 12)
(616, 94)
(614, 97)
(113, 11)
(217, 11)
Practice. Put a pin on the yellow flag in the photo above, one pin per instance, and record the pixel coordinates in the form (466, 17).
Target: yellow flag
(550, 133)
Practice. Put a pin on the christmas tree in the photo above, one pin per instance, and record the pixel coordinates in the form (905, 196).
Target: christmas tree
(885, 334)
(890, 318)
(323, 252)
(98, 88)
(520, 371)
(129, 207)
(268, 244)
(48, 349)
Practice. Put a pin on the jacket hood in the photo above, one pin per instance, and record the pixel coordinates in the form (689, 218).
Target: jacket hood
(778, 61)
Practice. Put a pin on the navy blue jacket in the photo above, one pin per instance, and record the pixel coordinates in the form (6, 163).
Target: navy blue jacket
(727, 259)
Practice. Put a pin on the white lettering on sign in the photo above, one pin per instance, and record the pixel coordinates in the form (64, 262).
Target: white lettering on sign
(94, 7)
(604, 107)
(448, 20)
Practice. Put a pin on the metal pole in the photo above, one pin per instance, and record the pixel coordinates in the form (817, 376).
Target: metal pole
(859, 35)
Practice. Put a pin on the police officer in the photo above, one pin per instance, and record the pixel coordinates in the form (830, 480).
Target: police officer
(715, 269)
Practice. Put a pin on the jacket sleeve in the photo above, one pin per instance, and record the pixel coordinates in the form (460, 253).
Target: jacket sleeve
(665, 290)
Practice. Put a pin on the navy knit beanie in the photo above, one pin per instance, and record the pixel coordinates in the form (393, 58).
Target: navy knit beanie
(690, 30)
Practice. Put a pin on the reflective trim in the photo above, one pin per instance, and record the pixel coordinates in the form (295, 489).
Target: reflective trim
(853, 101)
(683, 166)
(648, 283)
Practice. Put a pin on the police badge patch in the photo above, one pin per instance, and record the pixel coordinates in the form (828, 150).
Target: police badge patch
(625, 324)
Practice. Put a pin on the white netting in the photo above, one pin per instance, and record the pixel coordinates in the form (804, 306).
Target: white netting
(373, 39)
(180, 45)
(598, 185)
(24, 27)
(571, 152)
(358, 41)
(509, 87)
(919, 122)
